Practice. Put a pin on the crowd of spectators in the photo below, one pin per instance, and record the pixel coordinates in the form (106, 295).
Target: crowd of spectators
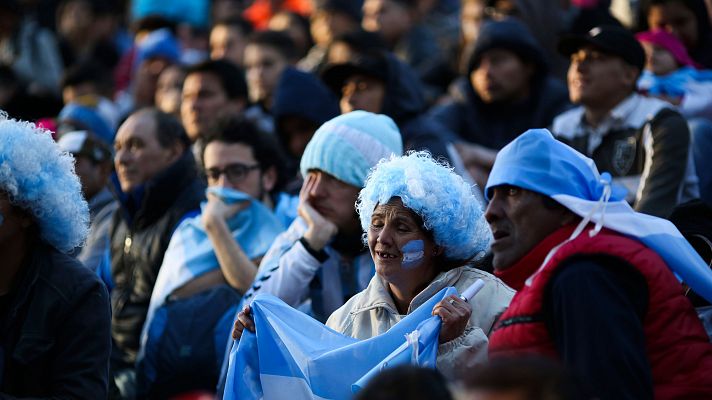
(222, 149)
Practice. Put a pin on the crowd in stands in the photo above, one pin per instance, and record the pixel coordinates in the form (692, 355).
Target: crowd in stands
(163, 163)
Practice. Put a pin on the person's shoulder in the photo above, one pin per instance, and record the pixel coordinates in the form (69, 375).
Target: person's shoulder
(492, 284)
(68, 277)
(566, 123)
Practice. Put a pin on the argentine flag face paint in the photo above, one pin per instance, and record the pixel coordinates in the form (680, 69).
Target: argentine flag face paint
(413, 254)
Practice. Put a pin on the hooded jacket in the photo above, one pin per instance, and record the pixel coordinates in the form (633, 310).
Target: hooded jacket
(403, 102)
(494, 125)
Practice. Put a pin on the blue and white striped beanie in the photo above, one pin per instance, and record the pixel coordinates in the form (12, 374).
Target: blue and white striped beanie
(349, 145)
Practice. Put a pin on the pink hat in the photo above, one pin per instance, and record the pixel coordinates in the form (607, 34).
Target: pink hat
(669, 42)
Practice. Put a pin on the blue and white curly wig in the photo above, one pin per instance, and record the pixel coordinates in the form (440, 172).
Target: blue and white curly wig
(442, 199)
(39, 178)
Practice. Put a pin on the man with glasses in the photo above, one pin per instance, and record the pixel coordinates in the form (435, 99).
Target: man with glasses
(643, 142)
(211, 261)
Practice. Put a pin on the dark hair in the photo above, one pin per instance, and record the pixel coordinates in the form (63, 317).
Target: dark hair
(89, 72)
(697, 7)
(153, 23)
(168, 129)
(280, 41)
(239, 23)
(362, 41)
(536, 377)
(264, 146)
(406, 382)
(232, 78)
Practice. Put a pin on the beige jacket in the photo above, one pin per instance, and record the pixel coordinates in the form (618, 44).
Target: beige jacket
(372, 312)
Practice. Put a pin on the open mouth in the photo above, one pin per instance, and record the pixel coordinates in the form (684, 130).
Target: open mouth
(497, 235)
(384, 255)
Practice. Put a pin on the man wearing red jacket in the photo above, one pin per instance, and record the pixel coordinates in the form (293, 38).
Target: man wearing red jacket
(596, 280)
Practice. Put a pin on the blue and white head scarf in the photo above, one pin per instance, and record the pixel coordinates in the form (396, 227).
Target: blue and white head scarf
(538, 162)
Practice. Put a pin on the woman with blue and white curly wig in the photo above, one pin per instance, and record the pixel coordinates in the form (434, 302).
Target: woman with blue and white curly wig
(422, 224)
(37, 177)
(46, 293)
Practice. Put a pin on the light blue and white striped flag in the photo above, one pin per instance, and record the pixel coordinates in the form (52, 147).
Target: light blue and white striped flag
(190, 252)
(293, 356)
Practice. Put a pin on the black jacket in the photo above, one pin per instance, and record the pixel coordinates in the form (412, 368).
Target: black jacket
(140, 231)
(55, 331)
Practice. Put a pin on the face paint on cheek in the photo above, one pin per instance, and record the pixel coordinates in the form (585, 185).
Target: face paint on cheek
(413, 253)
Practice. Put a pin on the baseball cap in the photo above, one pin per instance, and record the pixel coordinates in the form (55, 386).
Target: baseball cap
(612, 40)
(85, 144)
(373, 65)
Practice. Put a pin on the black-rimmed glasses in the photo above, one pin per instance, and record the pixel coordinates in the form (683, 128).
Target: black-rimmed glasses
(234, 173)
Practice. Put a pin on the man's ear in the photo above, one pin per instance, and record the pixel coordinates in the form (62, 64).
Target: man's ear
(269, 179)
(175, 151)
(630, 75)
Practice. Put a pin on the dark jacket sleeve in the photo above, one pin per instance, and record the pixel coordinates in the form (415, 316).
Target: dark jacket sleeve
(665, 165)
(593, 309)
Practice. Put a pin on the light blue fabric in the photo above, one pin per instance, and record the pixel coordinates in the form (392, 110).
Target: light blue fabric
(673, 84)
(349, 145)
(90, 119)
(161, 43)
(194, 12)
(293, 356)
(190, 252)
(538, 162)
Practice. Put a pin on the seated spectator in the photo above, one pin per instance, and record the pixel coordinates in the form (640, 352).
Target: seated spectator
(687, 19)
(211, 261)
(169, 90)
(643, 142)
(330, 19)
(380, 83)
(506, 90)
(423, 224)
(54, 312)
(30, 50)
(158, 186)
(154, 53)
(228, 38)
(296, 27)
(519, 378)
(213, 92)
(319, 262)
(399, 23)
(93, 164)
(267, 54)
(581, 258)
(670, 74)
(302, 103)
(406, 382)
(349, 46)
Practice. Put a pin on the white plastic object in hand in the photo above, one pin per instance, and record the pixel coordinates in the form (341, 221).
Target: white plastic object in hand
(472, 290)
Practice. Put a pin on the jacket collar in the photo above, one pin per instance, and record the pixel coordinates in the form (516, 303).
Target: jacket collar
(377, 295)
(158, 194)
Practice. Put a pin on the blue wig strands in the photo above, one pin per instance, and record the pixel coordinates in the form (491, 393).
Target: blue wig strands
(413, 254)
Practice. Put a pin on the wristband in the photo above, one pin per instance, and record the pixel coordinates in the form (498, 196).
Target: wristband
(320, 255)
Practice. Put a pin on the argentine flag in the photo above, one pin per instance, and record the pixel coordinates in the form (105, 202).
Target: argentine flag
(293, 356)
(190, 252)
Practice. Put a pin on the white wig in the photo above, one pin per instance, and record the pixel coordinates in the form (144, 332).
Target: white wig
(432, 190)
(39, 178)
